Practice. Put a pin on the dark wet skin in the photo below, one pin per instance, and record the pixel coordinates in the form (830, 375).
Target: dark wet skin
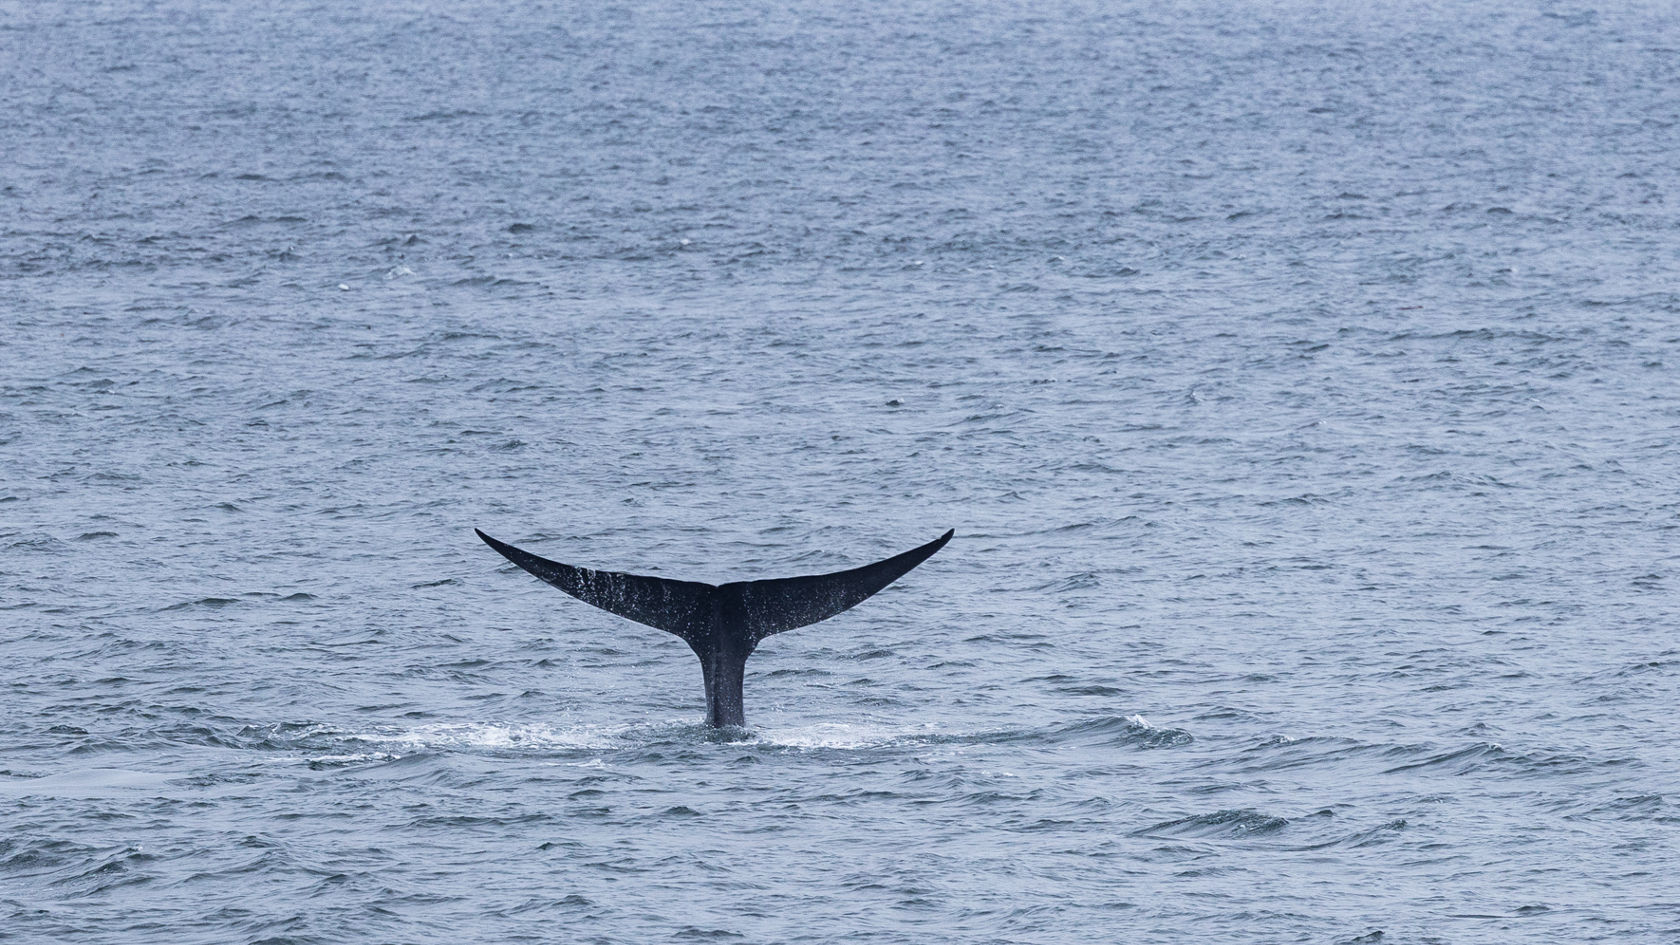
(722, 624)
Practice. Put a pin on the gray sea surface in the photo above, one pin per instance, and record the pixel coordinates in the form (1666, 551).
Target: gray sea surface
(1302, 381)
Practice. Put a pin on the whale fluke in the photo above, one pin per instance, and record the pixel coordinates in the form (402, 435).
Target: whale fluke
(658, 602)
(722, 624)
(779, 604)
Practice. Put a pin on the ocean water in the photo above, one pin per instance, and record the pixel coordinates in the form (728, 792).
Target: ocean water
(1300, 380)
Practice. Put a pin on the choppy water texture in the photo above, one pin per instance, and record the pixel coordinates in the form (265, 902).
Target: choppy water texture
(1301, 382)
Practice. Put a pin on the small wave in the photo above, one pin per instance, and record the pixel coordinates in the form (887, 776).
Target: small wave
(493, 282)
(21, 856)
(36, 544)
(1083, 580)
(695, 932)
(1482, 755)
(446, 114)
(1133, 731)
(1282, 752)
(1638, 807)
(1223, 823)
(1661, 664)
(124, 868)
(1374, 836)
(211, 603)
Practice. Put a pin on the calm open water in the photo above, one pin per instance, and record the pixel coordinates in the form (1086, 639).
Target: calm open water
(1302, 380)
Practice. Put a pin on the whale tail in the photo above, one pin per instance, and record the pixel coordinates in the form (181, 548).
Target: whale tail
(722, 624)
(778, 604)
(672, 606)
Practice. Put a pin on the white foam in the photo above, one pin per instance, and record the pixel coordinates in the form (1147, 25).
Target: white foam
(329, 745)
(352, 758)
(490, 736)
(838, 735)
